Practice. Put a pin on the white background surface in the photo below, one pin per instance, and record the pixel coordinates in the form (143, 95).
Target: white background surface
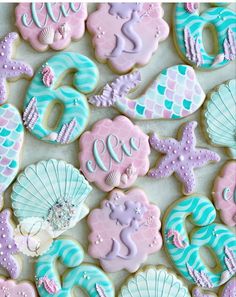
(162, 192)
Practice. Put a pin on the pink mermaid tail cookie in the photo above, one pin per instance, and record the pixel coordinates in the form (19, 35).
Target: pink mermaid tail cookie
(224, 193)
(124, 231)
(127, 34)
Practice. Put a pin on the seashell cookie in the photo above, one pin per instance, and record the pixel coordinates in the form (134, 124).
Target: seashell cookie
(154, 281)
(114, 153)
(219, 116)
(53, 191)
(10, 288)
(11, 141)
(51, 25)
(224, 193)
(124, 231)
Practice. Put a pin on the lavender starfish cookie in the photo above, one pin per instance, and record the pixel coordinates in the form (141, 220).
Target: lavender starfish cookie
(182, 157)
(9, 68)
(8, 246)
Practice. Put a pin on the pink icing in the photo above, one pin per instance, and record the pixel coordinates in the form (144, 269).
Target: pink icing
(31, 115)
(121, 147)
(229, 289)
(177, 239)
(200, 278)
(47, 76)
(192, 47)
(124, 231)
(49, 285)
(51, 24)
(132, 38)
(191, 7)
(10, 288)
(224, 193)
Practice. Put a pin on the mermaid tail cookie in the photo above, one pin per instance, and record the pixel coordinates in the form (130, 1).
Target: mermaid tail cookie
(175, 93)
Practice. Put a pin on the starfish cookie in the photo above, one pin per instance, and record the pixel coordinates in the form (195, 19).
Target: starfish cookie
(9, 68)
(182, 157)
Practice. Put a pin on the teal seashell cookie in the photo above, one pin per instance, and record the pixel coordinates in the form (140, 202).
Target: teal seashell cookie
(51, 190)
(11, 140)
(154, 282)
(220, 117)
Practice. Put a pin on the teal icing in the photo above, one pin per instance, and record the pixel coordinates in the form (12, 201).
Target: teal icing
(226, 194)
(110, 149)
(96, 155)
(71, 255)
(35, 18)
(85, 80)
(133, 144)
(207, 233)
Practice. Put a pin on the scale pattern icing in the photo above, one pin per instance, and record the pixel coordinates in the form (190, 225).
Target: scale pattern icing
(88, 277)
(175, 93)
(219, 238)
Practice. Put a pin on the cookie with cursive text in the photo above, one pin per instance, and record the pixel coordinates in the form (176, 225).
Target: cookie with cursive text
(126, 35)
(114, 153)
(51, 25)
(124, 231)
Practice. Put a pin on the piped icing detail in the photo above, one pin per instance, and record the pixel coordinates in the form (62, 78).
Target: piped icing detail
(47, 76)
(177, 239)
(191, 7)
(182, 157)
(175, 93)
(9, 68)
(8, 246)
(10, 288)
(49, 285)
(31, 115)
(133, 231)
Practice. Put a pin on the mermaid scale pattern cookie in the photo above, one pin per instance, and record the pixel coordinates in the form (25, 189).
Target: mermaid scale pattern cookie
(11, 141)
(154, 282)
(175, 93)
(126, 35)
(220, 117)
(51, 25)
(124, 231)
(10, 288)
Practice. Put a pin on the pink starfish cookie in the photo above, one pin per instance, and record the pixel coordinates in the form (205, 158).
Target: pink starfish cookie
(9, 68)
(182, 157)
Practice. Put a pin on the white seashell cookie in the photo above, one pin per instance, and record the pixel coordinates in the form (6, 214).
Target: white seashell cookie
(154, 282)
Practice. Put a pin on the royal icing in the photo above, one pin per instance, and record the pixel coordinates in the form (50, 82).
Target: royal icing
(10, 69)
(182, 157)
(175, 93)
(51, 25)
(224, 193)
(217, 237)
(220, 117)
(8, 248)
(44, 93)
(198, 292)
(10, 288)
(188, 27)
(11, 141)
(124, 231)
(88, 277)
(229, 289)
(114, 153)
(154, 281)
(127, 34)
(53, 191)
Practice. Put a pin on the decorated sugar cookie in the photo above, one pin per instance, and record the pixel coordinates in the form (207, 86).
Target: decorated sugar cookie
(124, 231)
(224, 193)
(229, 290)
(114, 153)
(198, 292)
(175, 93)
(188, 28)
(181, 157)
(45, 92)
(184, 248)
(154, 281)
(52, 25)
(220, 117)
(11, 141)
(89, 278)
(10, 288)
(10, 69)
(52, 191)
(8, 248)
(126, 35)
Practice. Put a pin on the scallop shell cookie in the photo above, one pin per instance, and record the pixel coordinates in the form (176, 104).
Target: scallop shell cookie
(53, 191)
(224, 193)
(114, 153)
(124, 231)
(11, 141)
(126, 35)
(11, 288)
(220, 117)
(154, 281)
(51, 25)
